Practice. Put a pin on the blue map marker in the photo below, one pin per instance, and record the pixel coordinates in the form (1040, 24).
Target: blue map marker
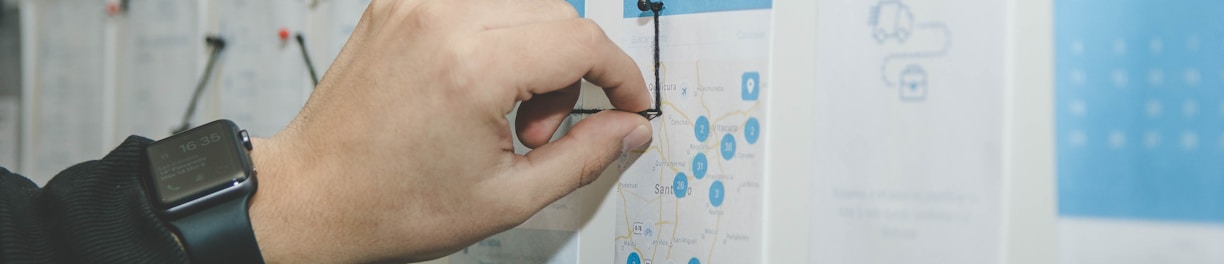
(750, 87)
(680, 185)
(634, 258)
(700, 165)
(728, 147)
(752, 130)
(702, 128)
(717, 193)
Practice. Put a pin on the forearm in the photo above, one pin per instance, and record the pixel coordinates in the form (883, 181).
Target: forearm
(23, 232)
(93, 212)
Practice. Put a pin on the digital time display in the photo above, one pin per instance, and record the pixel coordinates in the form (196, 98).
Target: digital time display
(197, 162)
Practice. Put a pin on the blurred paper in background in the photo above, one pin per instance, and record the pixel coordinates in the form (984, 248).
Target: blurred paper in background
(1140, 131)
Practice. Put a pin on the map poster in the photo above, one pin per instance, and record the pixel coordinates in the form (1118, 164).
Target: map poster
(694, 195)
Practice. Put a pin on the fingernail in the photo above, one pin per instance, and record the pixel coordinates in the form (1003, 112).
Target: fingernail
(638, 137)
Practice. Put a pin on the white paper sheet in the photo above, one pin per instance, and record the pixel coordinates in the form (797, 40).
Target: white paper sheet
(1103, 240)
(159, 61)
(10, 132)
(66, 100)
(910, 132)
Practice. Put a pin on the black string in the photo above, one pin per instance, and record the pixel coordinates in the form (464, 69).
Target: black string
(652, 113)
(658, 109)
(217, 44)
(306, 55)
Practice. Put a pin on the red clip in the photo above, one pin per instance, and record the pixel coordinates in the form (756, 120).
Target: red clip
(112, 8)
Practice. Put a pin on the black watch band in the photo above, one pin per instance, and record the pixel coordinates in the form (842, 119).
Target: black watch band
(220, 234)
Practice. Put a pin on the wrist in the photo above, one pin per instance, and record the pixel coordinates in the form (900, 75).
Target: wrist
(264, 214)
(309, 210)
(286, 212)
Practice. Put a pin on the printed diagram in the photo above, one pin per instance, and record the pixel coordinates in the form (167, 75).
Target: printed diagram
(890, 81)
(894, 21)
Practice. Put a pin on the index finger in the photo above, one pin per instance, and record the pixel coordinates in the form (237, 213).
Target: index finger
(545, 57)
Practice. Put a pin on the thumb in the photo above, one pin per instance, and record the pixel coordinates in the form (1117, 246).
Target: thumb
(576, 159)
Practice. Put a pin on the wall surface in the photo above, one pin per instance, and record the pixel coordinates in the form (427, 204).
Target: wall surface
(133, 73)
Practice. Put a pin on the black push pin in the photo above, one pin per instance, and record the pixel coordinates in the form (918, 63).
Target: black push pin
(215, 42)
(647, 5)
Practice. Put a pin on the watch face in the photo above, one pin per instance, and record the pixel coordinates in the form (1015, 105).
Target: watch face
(197, 162)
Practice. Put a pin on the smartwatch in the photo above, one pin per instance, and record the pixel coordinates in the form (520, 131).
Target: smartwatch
(201, 182)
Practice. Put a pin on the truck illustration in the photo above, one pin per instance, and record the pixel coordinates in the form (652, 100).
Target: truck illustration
(891, 19)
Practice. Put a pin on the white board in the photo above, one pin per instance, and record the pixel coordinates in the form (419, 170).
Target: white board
(10, 131)
(159, 60)
(263, 79)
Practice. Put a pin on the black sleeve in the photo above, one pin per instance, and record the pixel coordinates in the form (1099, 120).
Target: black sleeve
(93, 212)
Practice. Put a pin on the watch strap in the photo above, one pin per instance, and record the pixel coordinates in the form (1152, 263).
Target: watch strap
(220, 234)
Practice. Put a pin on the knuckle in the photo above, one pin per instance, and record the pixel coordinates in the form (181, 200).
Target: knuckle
(589, 32)
(457, 58)
(479, 73)
(589, 35)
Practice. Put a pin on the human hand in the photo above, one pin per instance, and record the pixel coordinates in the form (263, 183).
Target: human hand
(403, 153)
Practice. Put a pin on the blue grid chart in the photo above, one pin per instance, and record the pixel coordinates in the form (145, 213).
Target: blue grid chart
(1140, 109)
